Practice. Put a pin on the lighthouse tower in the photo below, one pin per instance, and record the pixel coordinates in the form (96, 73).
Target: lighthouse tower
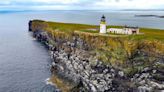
(103, 25)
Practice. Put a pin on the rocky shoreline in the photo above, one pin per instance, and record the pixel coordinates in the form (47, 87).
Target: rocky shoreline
(73, 61)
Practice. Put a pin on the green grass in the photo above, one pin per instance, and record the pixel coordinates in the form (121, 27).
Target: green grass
(114, 26)
(89, 31)
(149, 34)
(115, 49)
(70, 26)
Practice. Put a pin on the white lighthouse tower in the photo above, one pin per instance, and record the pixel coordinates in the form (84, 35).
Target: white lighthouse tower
(103, 25)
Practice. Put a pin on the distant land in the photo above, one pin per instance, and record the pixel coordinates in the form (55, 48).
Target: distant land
(157, 16)
(143, 10)
(13, 11)
(4, 11)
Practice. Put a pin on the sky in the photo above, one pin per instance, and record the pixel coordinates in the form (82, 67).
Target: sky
(80, 4)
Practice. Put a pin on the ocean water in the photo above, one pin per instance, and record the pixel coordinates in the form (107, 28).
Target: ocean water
(25, 63)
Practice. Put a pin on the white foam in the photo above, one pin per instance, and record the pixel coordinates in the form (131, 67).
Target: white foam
(48, 82)
(33, 39)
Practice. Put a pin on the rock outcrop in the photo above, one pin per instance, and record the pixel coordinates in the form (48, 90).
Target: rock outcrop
(74, 61)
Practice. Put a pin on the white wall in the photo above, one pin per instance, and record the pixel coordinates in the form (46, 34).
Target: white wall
(103, 28)
(122, 31)
(115, 30)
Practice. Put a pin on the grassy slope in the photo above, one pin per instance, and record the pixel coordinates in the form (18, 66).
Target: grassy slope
(148, 33)
(69, 26)
(118, 50)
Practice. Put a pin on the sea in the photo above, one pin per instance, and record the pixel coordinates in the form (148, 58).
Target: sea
(25, 63)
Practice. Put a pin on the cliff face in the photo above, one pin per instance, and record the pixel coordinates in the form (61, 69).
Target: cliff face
(100, 63)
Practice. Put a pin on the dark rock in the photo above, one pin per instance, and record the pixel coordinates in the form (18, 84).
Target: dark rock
(72, 61)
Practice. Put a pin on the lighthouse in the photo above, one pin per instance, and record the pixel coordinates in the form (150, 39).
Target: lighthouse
(103, 25)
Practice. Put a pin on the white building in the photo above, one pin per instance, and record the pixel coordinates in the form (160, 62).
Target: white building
(125, 30)
(103, 25)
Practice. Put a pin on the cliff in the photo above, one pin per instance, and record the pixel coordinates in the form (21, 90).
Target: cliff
(100, 63)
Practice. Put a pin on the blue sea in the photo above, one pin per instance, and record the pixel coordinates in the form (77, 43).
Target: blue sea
(25, 63)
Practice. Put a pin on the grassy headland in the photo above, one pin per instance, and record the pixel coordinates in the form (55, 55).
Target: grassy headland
(150, 34)
(128, 52)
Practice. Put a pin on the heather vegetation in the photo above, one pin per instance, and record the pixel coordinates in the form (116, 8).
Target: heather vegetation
(128, 52)
(132, 54)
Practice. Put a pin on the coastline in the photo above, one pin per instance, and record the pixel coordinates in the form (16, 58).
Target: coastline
(74, 60)
(60, 84)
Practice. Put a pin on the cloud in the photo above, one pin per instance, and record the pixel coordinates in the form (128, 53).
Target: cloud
(32, 2)
(58, 1)
(4, 3)
(130, 4)
(81, 4)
